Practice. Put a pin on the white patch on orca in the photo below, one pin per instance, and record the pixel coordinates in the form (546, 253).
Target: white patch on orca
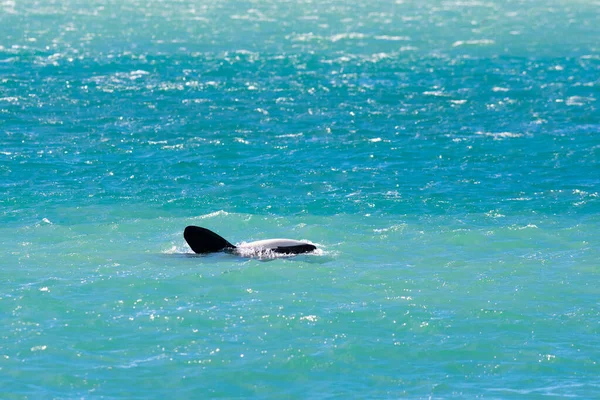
(268, 244)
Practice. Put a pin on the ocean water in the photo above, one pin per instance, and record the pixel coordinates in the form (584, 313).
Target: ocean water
(443, 155)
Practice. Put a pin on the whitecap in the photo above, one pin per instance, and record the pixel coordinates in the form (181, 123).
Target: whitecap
(500, 135)
(303, 37)
(392, 228)
(579, 100)
(342, 36)
(214, 214)
(435, 93)
(473, 42)
(392, 38)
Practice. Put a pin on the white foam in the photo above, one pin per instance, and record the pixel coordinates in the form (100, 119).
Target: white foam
(350, 35)
(240, 140)
(392, 38)
(472, 42)
(260, 253)
(500, 135)
(263, 249)
(214, 214)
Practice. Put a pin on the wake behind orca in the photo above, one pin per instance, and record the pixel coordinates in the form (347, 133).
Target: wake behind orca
(203, 241)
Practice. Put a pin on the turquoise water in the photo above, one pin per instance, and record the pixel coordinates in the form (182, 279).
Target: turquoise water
(443, 155)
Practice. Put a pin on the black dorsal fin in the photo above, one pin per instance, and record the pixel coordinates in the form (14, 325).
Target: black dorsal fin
(202, 240)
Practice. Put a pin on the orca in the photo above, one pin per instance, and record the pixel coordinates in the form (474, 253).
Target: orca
(204, 241)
